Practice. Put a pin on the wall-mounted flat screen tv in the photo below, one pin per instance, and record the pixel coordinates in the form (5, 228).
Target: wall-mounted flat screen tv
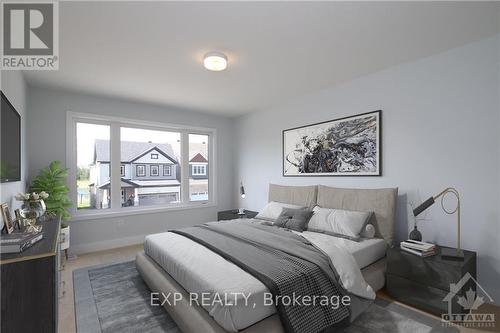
(10, 136)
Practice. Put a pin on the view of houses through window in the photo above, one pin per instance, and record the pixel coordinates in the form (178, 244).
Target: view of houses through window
(150, 166)
(89, 193)
(198, 167)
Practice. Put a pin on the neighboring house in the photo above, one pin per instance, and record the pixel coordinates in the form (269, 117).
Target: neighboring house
(198, 172)
(148, 174)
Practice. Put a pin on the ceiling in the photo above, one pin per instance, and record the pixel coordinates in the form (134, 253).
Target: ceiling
(152, 51)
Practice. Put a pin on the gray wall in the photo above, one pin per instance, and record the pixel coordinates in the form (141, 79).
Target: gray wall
(14, 87)
(47, 112)
(440, 128)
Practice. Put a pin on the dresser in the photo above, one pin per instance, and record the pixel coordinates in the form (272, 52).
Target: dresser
(425, 282)
(30, 284)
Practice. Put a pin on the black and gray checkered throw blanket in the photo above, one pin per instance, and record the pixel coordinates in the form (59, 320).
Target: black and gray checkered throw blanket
(287, 264)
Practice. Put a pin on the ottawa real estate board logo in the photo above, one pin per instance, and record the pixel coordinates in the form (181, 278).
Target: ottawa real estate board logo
(463, 294)
(30, 39)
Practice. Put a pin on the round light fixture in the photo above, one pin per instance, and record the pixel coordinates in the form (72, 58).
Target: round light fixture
(215, 61)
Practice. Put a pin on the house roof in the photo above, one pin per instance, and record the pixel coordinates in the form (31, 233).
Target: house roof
(198, 158)
(196, 148)
(130, 150)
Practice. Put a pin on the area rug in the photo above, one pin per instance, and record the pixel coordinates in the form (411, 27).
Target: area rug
(114, 298)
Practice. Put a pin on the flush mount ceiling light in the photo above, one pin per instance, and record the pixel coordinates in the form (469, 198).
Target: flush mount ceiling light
(215, 61)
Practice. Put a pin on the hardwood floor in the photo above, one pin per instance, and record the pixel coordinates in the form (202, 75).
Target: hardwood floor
(67, 309)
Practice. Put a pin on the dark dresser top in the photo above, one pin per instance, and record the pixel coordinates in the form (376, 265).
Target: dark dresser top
(46, 247)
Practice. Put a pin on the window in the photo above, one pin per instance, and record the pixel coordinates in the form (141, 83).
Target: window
(102, 151)
(198, 161)
(93, 190)
(199, 170)
(141, 145)
(154, 170)
(167, 170)
(140, 170)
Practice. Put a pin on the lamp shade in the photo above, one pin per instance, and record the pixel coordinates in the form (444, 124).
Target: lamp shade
(423, 206)
(242, 191)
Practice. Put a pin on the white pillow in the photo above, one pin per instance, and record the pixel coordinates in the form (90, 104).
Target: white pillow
(273, 209)
(338, 221)
(368, 231)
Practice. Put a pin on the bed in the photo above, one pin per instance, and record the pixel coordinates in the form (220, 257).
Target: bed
(174, 263)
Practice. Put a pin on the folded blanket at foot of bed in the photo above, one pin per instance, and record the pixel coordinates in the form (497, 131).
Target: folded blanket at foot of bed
(290, 267)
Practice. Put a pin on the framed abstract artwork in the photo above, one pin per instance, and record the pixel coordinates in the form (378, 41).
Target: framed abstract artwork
(349, 146)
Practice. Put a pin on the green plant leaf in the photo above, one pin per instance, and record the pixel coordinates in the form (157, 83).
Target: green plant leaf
(52, 179)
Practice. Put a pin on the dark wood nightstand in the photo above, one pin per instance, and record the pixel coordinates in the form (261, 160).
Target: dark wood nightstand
(425, 282)
(233, 215)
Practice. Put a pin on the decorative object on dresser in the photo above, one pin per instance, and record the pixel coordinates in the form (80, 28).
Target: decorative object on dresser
(425, 282)
(19, 241)
(33, 207)
(349, 146)
(8, 225)
(19, 218)
(30, 284)
(234, 214)
(446, 253)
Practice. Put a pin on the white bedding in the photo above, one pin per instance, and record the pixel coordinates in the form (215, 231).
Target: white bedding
(200, 270)
(365, 252)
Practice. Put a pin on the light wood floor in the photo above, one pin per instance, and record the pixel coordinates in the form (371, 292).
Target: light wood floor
(67, 308)
(66, 303)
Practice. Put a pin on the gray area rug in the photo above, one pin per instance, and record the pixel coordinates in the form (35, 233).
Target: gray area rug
(114, 298)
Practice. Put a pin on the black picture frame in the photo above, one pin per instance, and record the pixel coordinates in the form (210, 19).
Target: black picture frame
(378, 172)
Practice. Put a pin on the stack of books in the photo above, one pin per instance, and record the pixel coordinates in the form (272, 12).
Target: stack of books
(18, 241)
(421, 249)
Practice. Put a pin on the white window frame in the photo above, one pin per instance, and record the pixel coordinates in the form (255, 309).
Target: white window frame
(155, 156)
(157, 170)
(169, 168)
(122, 168)
(201, 173)
(115, 123)
(143, 174)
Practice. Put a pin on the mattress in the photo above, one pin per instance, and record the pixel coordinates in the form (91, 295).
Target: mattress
(199, 270)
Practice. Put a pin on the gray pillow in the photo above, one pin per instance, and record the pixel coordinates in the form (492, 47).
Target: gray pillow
(294, 219)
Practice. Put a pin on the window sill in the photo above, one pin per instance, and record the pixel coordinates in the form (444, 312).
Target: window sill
(108, 213)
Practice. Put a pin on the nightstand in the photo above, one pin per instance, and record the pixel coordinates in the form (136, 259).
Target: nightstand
(425, 282)
(233, 215)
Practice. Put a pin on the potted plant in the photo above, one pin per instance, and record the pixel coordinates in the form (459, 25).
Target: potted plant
(52, 180)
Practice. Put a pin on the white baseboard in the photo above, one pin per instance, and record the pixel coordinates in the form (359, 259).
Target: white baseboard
(106, 245)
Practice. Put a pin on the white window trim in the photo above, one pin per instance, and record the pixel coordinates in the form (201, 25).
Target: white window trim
(195, 166)
(157, 170)
(72, 118)
(137, 170)
(169, 168)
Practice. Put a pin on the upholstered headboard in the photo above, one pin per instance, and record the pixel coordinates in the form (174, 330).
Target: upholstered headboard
(380, 201)
(296, 195)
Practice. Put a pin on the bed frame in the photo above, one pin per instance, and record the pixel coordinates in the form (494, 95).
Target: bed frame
(196, 319)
